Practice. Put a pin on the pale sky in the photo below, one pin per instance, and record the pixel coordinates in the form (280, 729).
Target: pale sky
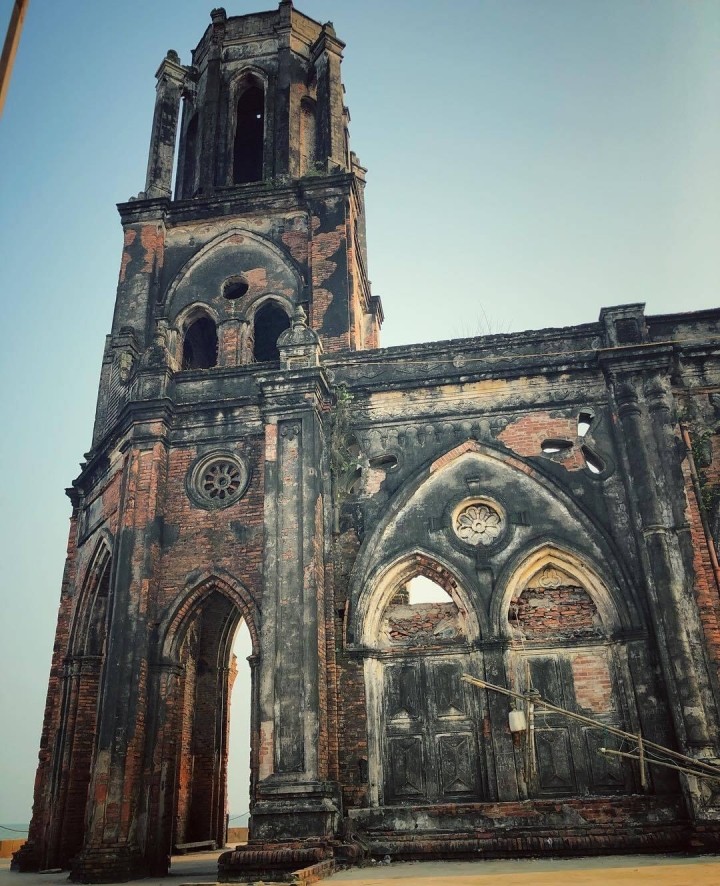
(529, 162)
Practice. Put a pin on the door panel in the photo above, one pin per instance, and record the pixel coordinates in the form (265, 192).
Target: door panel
(555, 769)
(606, 772)
(567, 751)
(458, 764)
(430, 743)
(407, 767)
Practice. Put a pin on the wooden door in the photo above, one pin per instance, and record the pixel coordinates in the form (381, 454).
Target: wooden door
(568, 761)
(430, 743)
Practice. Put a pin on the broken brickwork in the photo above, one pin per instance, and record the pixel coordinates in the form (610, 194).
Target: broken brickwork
(257, 457)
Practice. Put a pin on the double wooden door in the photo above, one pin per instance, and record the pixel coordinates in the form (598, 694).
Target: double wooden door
(430, 751)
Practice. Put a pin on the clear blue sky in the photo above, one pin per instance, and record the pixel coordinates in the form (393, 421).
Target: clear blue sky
(529, 161)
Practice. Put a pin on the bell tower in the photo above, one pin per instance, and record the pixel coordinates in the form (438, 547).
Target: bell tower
(205, 498)
(268, 212)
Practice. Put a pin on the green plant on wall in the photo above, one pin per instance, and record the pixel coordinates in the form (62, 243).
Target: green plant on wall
(344, 451)
(701, 446)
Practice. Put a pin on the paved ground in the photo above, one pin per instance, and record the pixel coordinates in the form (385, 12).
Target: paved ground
(618, 870)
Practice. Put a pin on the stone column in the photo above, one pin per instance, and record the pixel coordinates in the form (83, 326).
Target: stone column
(209, 114)
(327, 56)
(294, 797)
(170, 83)
(669, 580)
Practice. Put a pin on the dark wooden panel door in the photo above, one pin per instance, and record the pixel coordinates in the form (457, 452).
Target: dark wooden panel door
(430, 743)
(568, 761)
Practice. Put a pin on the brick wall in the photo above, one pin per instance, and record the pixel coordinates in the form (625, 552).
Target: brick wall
(562, 612)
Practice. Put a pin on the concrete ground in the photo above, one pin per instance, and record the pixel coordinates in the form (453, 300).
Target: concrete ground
(615, 870)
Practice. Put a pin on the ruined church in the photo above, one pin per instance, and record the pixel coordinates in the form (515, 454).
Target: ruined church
(258, 458)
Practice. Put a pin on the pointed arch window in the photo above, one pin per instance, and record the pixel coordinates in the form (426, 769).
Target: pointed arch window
(270, 321)
(200, 345)
(249, 134)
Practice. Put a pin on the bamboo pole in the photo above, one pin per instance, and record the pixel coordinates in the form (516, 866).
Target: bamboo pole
(705, 769)
(12, 40)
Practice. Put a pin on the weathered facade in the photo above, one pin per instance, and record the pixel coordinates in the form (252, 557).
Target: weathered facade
(257, 457)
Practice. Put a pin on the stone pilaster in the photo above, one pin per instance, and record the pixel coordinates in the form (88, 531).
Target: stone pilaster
(170, 83)
(294, 797)
(327, 56)
(637, 377)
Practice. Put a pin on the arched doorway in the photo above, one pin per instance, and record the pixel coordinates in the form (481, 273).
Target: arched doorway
(196, 737)
(239, 779)
(562, 623)
(422, 720)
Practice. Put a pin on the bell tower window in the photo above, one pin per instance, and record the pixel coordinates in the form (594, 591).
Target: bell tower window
(270, 321)
(249, 135)
(200, 346)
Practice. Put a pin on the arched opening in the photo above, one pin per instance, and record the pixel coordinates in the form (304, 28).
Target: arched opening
(200, 345)
(239, 780)
(422, 728)
(208, 675)
(561, 649)
(190, 159)
(270, 321)
(424, 590)
(249, 135)
(81, 703)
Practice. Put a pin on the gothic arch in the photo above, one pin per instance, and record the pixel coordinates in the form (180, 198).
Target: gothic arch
(80, 703)
(100, 561)
(606, 548)
(379, 588)
(199, 348)
(191, 688)
(235, 237)
(610, 603)
(271, 316)
(171, 628)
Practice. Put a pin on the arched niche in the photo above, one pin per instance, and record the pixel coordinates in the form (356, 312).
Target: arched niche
(234, 255)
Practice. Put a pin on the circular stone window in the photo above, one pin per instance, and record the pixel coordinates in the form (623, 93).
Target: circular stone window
(217, 480)
(478, 522)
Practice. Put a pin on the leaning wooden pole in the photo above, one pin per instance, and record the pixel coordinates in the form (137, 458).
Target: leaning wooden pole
(12, 39)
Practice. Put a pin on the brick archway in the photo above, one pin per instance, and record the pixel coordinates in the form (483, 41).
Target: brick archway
(190, 750)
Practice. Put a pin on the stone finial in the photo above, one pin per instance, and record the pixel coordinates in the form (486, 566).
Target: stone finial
(299, 345)
(172, 56)
(299, 317)
(218, 16)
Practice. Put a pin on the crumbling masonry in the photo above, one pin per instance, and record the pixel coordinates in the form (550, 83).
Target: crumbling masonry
(257, 457)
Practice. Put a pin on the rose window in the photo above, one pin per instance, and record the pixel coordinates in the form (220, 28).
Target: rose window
(221, 480)
(217, 480)
(478, 524)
